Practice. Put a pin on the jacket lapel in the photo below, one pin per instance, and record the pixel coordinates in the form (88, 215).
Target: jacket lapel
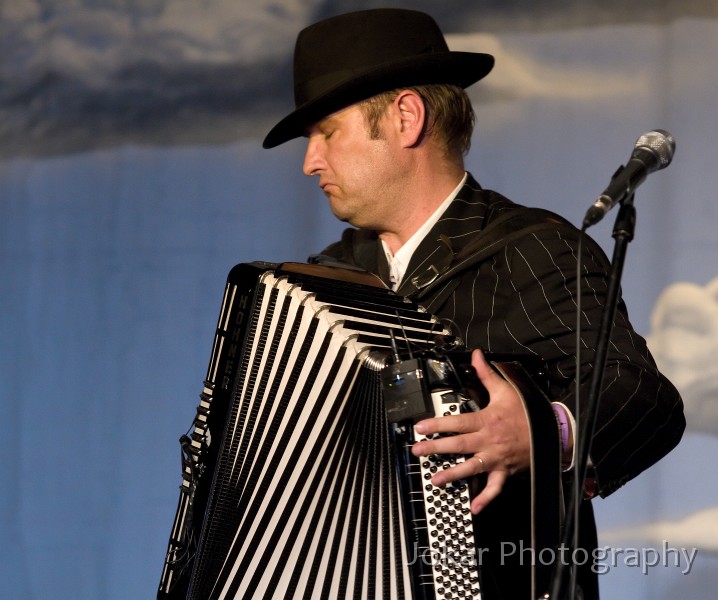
(466, 216)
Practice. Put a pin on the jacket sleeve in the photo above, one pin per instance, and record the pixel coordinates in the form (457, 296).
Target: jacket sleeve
(640, 417)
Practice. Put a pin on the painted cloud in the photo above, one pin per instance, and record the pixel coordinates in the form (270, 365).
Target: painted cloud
(698, 530)
(684, 341)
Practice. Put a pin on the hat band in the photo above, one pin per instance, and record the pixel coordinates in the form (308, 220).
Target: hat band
(318, 86)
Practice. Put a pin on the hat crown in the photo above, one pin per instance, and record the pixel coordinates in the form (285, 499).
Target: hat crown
(351, 57)
(341, 48)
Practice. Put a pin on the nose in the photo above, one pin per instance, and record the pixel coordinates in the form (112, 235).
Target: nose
(312, 157)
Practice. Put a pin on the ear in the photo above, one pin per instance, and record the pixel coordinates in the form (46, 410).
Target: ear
(412, 114)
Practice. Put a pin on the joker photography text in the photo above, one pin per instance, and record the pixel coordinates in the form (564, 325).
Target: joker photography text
(601, 560)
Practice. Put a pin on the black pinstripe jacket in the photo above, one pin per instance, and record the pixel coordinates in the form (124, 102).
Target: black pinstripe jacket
(522, 299)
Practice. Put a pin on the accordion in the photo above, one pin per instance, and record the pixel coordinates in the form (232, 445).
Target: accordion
(298, 479)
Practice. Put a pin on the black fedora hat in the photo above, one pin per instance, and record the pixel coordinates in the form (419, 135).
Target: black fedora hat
(351, 57)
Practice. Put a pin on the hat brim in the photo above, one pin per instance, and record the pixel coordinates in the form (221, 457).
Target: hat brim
(455, 68)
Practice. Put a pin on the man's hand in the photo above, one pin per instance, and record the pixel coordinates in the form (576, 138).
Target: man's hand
(497, 437)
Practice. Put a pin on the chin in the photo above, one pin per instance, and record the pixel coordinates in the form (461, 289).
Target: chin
(338, 213)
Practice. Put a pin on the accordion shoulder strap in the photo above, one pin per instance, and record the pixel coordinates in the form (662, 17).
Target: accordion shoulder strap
(508, 227)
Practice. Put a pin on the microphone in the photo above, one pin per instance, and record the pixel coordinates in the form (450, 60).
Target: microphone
(653, 151)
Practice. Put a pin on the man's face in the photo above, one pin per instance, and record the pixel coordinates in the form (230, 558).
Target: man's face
(359, 175)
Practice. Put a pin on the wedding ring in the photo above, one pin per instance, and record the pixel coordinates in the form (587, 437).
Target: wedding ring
(481, 462)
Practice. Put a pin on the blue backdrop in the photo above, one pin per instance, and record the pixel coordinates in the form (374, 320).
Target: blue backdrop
(132, 178)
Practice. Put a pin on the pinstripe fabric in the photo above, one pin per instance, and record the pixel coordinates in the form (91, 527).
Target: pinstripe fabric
(522, 299)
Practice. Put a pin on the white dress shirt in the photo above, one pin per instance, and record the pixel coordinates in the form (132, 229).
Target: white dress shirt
(400, 261)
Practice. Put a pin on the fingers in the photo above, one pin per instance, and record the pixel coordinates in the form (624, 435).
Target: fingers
(449, 423)
(489, 378)
(473, 465)
(494, 485)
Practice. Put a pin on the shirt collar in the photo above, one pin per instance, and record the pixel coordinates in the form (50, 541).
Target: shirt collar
(400, 261)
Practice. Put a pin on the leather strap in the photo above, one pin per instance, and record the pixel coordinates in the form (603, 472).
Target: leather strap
(508, 227)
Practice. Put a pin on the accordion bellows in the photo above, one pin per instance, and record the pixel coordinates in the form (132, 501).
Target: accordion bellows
(291, 487)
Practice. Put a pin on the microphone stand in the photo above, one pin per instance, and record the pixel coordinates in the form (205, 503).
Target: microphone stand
(563, 584)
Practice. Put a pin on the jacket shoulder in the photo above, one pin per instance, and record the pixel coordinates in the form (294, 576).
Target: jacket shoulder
(357, 247)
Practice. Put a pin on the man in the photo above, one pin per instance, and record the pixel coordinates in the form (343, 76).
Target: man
(381, 101)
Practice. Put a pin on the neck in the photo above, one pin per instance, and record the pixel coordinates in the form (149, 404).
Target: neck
(420, 202)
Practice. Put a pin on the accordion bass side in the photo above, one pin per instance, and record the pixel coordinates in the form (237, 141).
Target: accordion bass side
(294, 484)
